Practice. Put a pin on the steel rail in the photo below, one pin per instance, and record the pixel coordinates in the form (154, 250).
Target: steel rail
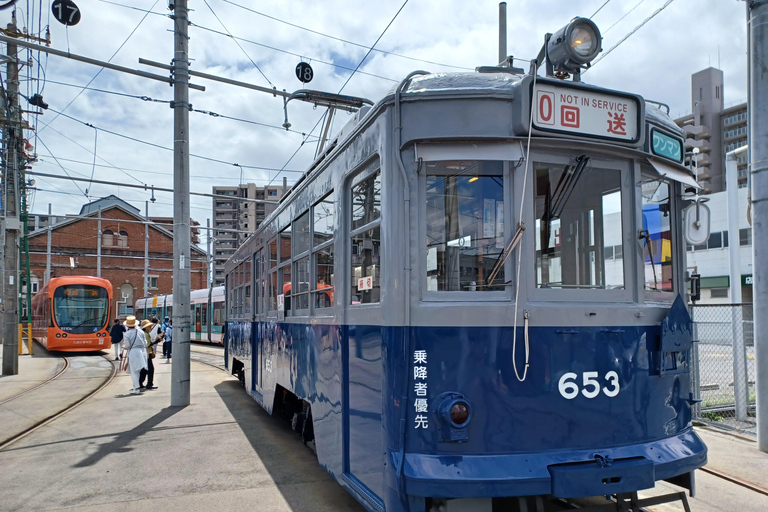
(62, 412)
(50, 379)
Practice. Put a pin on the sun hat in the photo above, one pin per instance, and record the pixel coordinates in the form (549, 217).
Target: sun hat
(145, 324)
(130, 322)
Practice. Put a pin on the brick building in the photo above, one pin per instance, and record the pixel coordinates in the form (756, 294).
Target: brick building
(75, 239)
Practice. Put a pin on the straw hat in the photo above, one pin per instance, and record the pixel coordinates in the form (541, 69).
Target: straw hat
(130, 322)
(145, 324)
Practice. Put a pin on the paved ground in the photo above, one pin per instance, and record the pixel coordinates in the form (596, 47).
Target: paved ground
(223, 452)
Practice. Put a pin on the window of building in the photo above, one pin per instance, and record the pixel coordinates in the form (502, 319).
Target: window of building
(152, 282)
(365, 236)
(107, 238)
(718, 293)
(745, 236)
(35, 287)
(465, 225)
(122, 239)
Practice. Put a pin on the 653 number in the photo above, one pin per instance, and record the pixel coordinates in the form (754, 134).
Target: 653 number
(590, 385)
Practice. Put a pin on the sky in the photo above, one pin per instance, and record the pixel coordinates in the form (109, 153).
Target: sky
(107, 132)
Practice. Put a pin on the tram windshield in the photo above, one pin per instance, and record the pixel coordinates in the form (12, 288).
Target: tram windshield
(80, 309)
(578, 226)
(465, 225)
(656, 236)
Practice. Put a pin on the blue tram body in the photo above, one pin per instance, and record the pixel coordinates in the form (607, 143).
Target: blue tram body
(422, 381)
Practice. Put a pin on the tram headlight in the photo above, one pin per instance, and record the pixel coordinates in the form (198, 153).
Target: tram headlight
(574, 46)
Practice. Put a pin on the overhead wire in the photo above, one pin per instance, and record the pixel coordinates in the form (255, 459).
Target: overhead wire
(100, 70)
(344, 40)
(62, 167)
(153, 100)
(599, 9)
(649, 18)
(625, 15)
(343, 86)
(238, 44)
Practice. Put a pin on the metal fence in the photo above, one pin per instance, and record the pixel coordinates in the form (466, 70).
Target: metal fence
(723, 368)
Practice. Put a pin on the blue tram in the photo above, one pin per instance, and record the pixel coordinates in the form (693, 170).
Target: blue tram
(475, 294)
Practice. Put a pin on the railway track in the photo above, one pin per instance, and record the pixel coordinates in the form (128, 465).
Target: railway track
(52, 412)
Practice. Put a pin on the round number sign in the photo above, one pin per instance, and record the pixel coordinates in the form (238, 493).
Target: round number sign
(66, 12)
(304, 72)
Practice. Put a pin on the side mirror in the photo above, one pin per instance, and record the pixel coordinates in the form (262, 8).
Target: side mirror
(696, 223)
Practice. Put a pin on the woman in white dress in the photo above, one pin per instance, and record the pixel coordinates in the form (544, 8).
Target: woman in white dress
(135, 350)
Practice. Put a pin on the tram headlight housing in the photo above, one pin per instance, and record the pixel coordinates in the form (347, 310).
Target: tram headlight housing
(573, 46)
(454, 413)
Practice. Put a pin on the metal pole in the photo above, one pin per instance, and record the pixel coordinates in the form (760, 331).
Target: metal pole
(758, 169)
(146, 248)
(502, 32)
(209, 259)
(180, 371)
(48, 252)
(98, 247)
(740, 378)
(11, 214)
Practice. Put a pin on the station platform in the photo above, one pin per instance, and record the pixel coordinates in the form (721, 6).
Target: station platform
(118, 451)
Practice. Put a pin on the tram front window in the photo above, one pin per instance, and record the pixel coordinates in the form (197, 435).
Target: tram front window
(657, 236)
(80, 309)
(465, 225)
(578, 215)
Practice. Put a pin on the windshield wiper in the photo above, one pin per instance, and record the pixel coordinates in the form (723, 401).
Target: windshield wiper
(565, 186)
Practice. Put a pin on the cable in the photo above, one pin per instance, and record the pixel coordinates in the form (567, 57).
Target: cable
(345, 84)
(344, 40)
(100, 70)
(632, 32)
(62, 168)
(147, 98)
(625, 15)
(238, 44)
(600, 8)
(289, 53)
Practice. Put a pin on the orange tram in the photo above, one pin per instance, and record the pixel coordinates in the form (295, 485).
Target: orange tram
(72, 314)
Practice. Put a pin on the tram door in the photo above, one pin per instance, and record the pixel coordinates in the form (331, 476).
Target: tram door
(364, 335)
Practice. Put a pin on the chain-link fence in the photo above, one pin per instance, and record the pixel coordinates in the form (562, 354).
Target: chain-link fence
(724, 365)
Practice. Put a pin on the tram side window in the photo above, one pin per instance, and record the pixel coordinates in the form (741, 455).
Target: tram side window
(272, 277)
(257, 277)
(301, 243)
(465, 225)
(284, 270)
(657, 245)
(247, 287)
(578, 214)
(323, 214)
(365, 239)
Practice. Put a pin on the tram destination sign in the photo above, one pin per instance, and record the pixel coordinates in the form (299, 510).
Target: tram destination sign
(586, 113)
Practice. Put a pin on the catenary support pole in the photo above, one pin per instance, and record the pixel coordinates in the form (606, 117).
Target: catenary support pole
(180, 370)
(48, 250)
(146, 248)
(740, 378)
(758, 170)
(98, 247)
(11, 134)
(502, 32)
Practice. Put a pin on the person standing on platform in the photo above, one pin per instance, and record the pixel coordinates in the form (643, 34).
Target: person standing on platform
(117, 336)
(134, 351)
(149, 373)
(166, 323)
(168, 343)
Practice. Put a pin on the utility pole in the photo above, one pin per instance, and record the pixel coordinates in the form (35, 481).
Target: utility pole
(146, 248)
(757, 13)
(98, 247)
(10, 205)
(48, 251)
(180, 371)
(209, 259)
